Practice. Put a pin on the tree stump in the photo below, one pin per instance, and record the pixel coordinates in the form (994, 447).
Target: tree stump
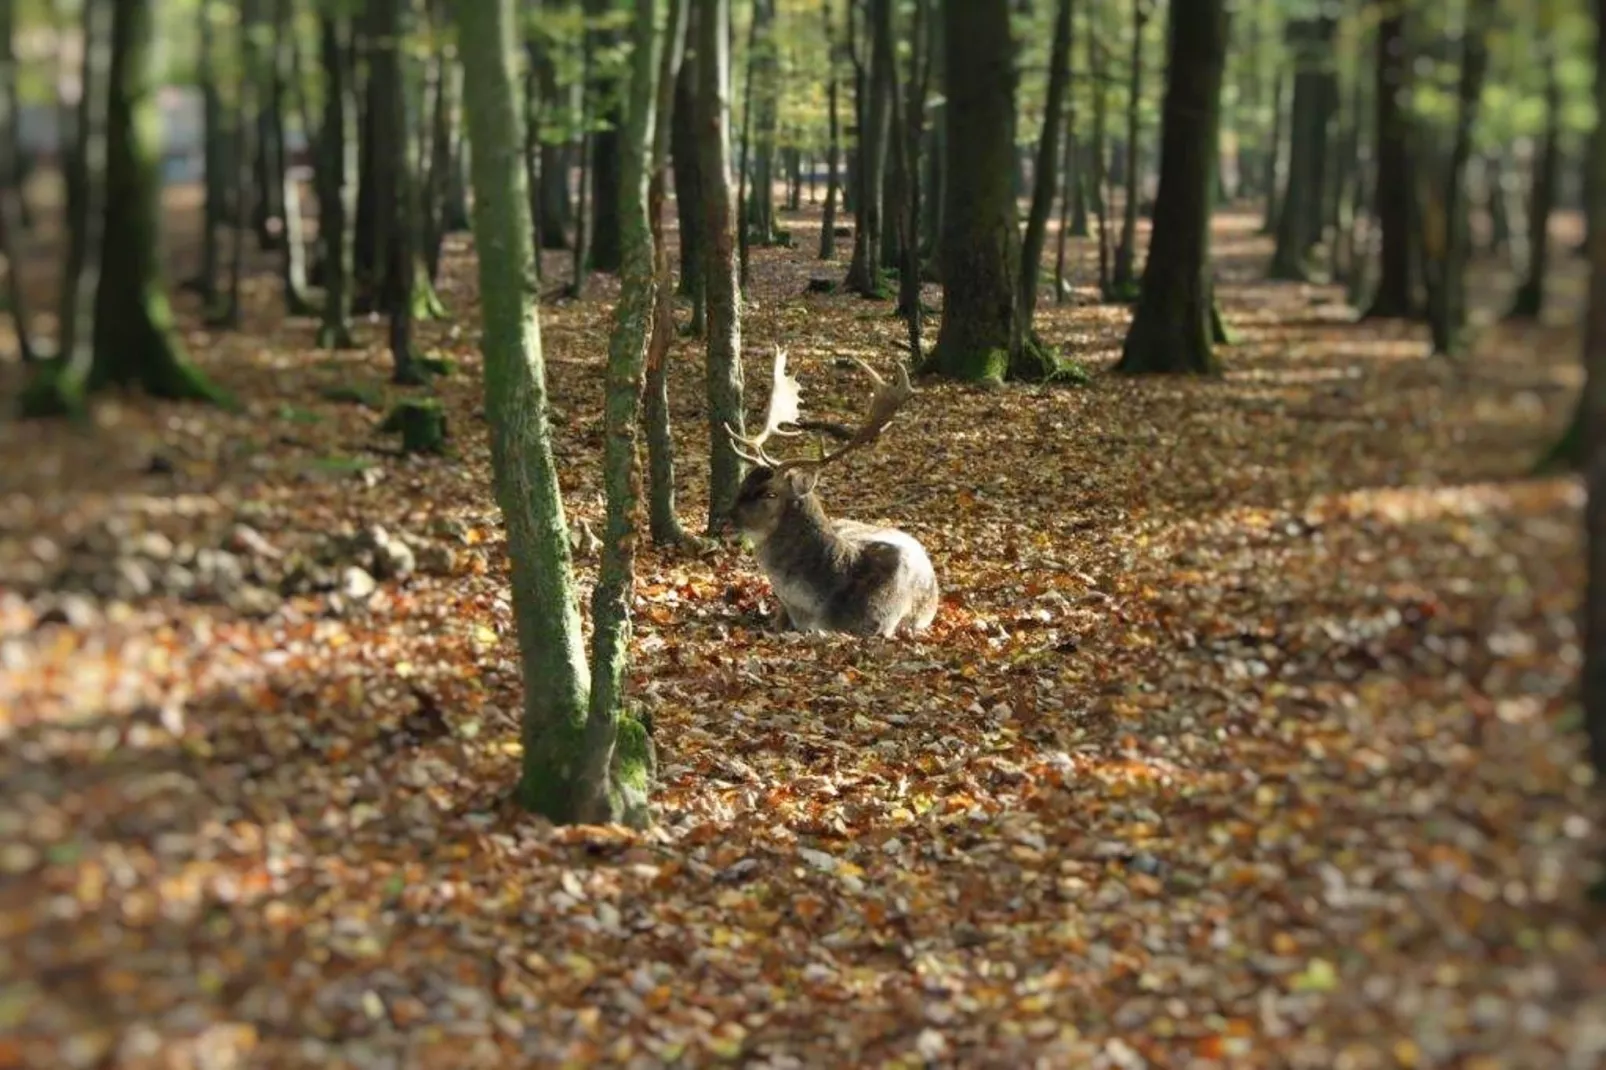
(421, 424)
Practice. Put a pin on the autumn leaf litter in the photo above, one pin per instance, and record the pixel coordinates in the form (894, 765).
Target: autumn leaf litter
(1242, 737)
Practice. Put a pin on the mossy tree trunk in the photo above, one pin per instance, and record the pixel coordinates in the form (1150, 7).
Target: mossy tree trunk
(724, 349)
(337, 179)
(1125, 270)
(663, 517)
(135, 342)
(1172, 326)
(1043, 174)
(980, 247)
(1395, 297)
(864, 269)
(576, 767)
(1447, 296)
(1529, 301)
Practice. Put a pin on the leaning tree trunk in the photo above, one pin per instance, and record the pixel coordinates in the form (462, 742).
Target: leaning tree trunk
(1043, 176)
(1447, 295)
(1530, 298)
(663, 517)
(864, 269)
(1395, 297)
(724, 360)
(576, 767)
(980, 239)
(1171, 327)
(134, 339)
(338, 179)
(1126, 250)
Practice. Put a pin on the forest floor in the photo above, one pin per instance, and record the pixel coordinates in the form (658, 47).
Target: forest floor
(1243, 736)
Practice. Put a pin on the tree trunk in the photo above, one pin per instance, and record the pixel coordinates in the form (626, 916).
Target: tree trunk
(664, 519)
(447, 76)
(605, 252)
(293, 268)
(1171, 328)
(1447, 295)
(724, 359)
(1396, 287)
(338, 146)
(763, 73)
(1592, 413)
(980, 246)
(553, 220)
(833, 147)
(215, 189)
(1272, 178)
(1299, 223)
(864, 270)
(394, 232)
(1043, 175)
(558, 750)
(683, 157)
(11, 225)
(1098, 69)
(134, 340)
(1126, 252)
(1530, 298)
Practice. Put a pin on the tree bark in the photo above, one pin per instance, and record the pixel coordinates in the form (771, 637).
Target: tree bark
(724, 350)
(135, 341)
(1592, 412)
(1126, 251)
(980, 246)
(576, 767)
(863, 276)
(833, 146)
(11, 225)
(338, 146)
(1299, 222)
(1447, 294)
(1043, 175)
(1171, 328)
(664, 518)
(683, 157)
(606, 252)
(1529, 301)
(763, 74)
(394, 222)
(1396, 286)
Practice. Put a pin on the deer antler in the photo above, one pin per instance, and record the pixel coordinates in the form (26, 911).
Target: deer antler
(885, 402)
(779, 419)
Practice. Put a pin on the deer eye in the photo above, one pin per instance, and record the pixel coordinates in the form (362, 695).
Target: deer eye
(769, 494)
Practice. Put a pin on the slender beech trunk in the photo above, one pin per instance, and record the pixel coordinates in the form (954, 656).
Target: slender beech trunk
(763, 72)
(1591, 424)
(1171, 327)
(1124, 275)
(1272, 176)
(395, 188)
(214, 191)
(1447, 295)
(1043, 180)
(683, 165)
(863, 276)
(833, 145)
(11, 225)
(1099, 174)
(293, 268)
(724, 360)
(604, 87)
(1530, 298)
(1299, 221)
(743, 230)
(1396, 288)
(338, 146)
(664, 518)
(578, 765)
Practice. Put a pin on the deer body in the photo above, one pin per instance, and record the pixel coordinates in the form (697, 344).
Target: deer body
(833, 576)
